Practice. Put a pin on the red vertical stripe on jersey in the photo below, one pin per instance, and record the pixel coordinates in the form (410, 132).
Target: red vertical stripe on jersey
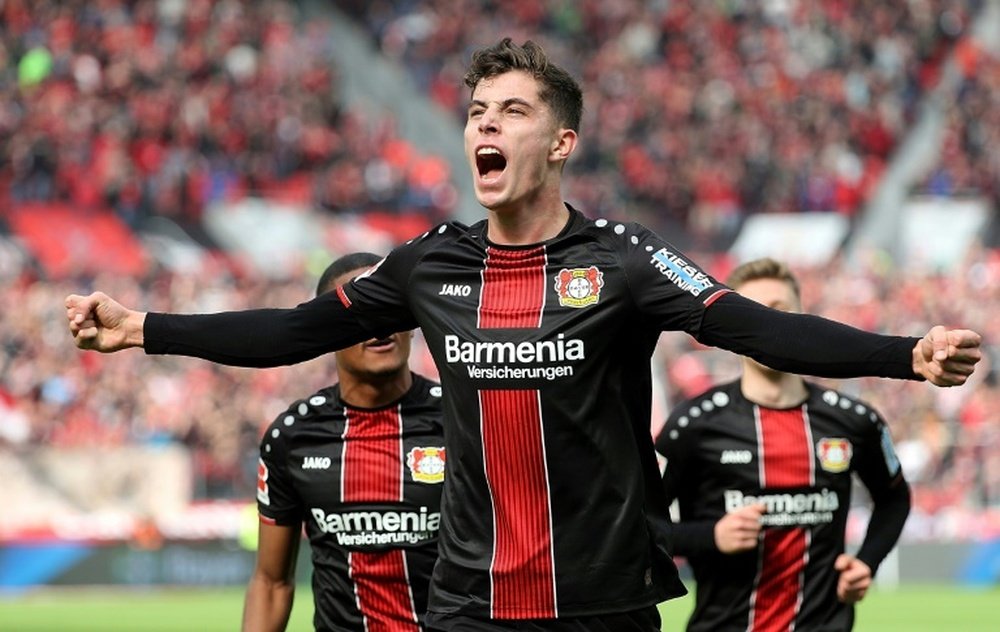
(522, 569)
(372, 472)
(786, 460)
(373, 460)
(513, 291)
(382, 589)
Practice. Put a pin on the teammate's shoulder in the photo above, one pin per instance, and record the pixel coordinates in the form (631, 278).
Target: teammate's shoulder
(706, 405)
(425, 390)
(847, 407)
(315, 407)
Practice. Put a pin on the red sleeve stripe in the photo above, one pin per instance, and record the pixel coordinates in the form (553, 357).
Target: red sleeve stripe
(343, 296)
(267, 520)
(716, 295)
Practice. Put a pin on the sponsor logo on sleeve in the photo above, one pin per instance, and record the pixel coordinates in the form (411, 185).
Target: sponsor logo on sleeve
(262, 491)
(684, 275)
(579, 287)
(834, 454)
(889, 452)
(426, 464)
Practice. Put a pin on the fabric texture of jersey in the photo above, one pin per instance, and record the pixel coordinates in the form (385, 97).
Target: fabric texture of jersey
(544, 354)
(367, 485)
(724, 452)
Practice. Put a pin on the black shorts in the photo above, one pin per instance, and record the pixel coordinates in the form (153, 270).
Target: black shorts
(642, 620)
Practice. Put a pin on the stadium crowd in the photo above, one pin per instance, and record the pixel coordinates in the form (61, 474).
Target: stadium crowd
(697, 114)
(163, 108)
(948, 440)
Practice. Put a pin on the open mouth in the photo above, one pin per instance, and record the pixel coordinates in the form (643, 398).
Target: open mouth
(490, 163)
(381, 344)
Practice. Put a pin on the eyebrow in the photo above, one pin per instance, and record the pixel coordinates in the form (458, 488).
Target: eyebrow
(503, 104)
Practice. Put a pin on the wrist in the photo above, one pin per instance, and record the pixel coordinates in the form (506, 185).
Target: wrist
(134, 324)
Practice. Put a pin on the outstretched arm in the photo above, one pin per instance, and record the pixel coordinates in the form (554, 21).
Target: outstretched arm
(253, 338)
(272, 586)
(811, 345)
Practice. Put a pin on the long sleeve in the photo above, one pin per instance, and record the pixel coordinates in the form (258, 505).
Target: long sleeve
(802, 343)
(888, 518)
(259, 337)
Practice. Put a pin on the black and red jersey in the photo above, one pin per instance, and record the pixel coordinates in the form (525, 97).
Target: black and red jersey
(552, 506)
(544, 353)
(367, 485)
(724, 452)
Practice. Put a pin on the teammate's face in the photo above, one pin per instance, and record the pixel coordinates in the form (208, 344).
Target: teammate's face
(375, 358)
(771, 292)
(512, 141)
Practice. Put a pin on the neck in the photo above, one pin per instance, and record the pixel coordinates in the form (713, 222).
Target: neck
(527, 223)
(772, 389)
(374, 391)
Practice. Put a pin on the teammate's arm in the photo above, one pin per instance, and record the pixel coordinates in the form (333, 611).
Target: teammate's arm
(879, 470)
(271, 590)
(890, 509)
(675, 445)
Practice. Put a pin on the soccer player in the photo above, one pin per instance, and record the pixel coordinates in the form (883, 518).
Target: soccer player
(761, 469)
(361, 463)
(541, 322)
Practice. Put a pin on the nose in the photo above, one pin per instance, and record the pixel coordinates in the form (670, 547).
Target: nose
(488, 121)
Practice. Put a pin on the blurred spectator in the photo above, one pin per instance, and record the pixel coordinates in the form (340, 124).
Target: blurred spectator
(164, 107)
(701, 112)
(968, 165)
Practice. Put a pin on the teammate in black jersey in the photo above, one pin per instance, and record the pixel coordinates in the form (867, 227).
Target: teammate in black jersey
(761, 469)
(361, 463)
(542, 323)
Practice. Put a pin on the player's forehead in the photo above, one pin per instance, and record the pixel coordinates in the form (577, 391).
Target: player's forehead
(513, 84)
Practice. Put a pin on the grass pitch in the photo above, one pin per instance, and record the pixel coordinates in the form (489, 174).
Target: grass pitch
(909, 609)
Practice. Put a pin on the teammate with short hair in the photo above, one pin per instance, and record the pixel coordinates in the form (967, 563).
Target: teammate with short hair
(542, 323)
(762, 469)
(361, 464)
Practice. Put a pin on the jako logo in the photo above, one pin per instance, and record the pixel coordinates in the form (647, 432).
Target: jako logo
(316, 463)
(736, 456)
(452, 289)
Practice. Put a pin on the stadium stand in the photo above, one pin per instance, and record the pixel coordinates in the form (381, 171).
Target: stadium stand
(699, 114)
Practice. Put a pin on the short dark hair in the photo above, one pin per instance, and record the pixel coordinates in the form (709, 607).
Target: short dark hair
(763, 268)
(559, 90)
(342, 265)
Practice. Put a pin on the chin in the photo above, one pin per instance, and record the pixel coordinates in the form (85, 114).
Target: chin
(491, 198)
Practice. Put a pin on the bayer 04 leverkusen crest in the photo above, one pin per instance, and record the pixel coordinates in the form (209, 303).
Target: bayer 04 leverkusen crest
(579, 287)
